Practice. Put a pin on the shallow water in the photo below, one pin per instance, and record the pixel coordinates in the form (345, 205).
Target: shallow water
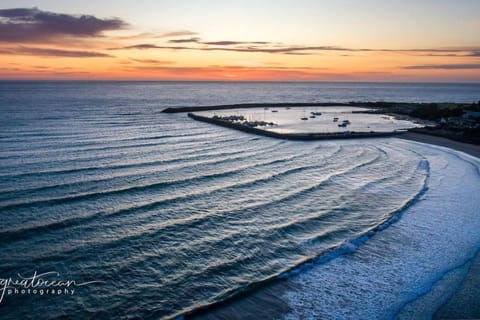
(410, 269)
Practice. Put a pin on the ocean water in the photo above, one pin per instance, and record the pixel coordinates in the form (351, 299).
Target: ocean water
(168, 214)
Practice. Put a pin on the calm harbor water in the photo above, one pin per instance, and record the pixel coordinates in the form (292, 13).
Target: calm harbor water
(168, 214)
(311, 120)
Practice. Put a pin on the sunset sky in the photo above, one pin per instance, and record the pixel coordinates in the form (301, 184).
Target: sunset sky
(310, 40)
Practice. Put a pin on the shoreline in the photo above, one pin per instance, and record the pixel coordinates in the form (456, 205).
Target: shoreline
(317, 284)
(459, 305)
(272, 299)
(471, 149)
(463, 303)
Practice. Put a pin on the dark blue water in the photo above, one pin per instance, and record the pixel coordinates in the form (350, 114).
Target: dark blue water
(171, 214)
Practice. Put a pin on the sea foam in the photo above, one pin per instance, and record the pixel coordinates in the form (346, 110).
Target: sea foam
(434, 238)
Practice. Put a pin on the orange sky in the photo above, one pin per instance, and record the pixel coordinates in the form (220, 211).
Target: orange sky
(51, 40)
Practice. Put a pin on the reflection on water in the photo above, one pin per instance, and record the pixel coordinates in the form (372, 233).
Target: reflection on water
(319, 119)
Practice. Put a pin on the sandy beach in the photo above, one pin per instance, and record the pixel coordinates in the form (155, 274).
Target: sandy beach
(470, 149)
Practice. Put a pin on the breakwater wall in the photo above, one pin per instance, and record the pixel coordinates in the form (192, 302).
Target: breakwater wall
(260, 105)
(292, 136)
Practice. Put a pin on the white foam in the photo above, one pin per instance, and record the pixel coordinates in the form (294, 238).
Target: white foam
(397, 265)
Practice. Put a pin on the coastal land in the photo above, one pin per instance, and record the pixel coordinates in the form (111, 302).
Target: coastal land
(453, 121)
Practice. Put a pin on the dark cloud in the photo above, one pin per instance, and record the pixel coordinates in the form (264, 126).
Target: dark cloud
(152, 61)
(149, 35)
(48, 52)
(181, 33)
(33, 25)
(264, 49)
(454, 52)
(232, 43)
(146, 46)
(461, 66)
(298, 50)
(274, 48)
(135, 36)
(443, 55)
(190, 40)
(141, 46)
(217, 43)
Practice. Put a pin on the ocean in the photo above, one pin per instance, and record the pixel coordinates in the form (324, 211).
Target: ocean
(157, 214)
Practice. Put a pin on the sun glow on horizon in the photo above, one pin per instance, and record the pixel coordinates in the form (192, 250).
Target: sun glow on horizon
(243, 40)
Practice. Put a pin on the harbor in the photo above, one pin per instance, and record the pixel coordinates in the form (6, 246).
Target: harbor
(306, 123)
(292, 136)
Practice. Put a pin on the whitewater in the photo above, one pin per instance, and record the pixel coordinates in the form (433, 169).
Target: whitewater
(398, 272)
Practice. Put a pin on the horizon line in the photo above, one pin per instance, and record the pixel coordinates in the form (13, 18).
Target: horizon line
(238, 81)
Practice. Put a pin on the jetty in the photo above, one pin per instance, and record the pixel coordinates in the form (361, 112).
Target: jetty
(259, 105)
(291, 136)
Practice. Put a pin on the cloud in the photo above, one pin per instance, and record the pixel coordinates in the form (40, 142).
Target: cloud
(190, 40)
(152, 61)
(150, 35)
(444, 55)
(231, 43)
(24, 25)
(181, 33)
(141, 46)
(258, 49)
(10, 69)
(217, 43)
(442, 52)
(218, 72)
(221, 68)
(279, 48)
(461, 66)
(260, 67)
(48, 52)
